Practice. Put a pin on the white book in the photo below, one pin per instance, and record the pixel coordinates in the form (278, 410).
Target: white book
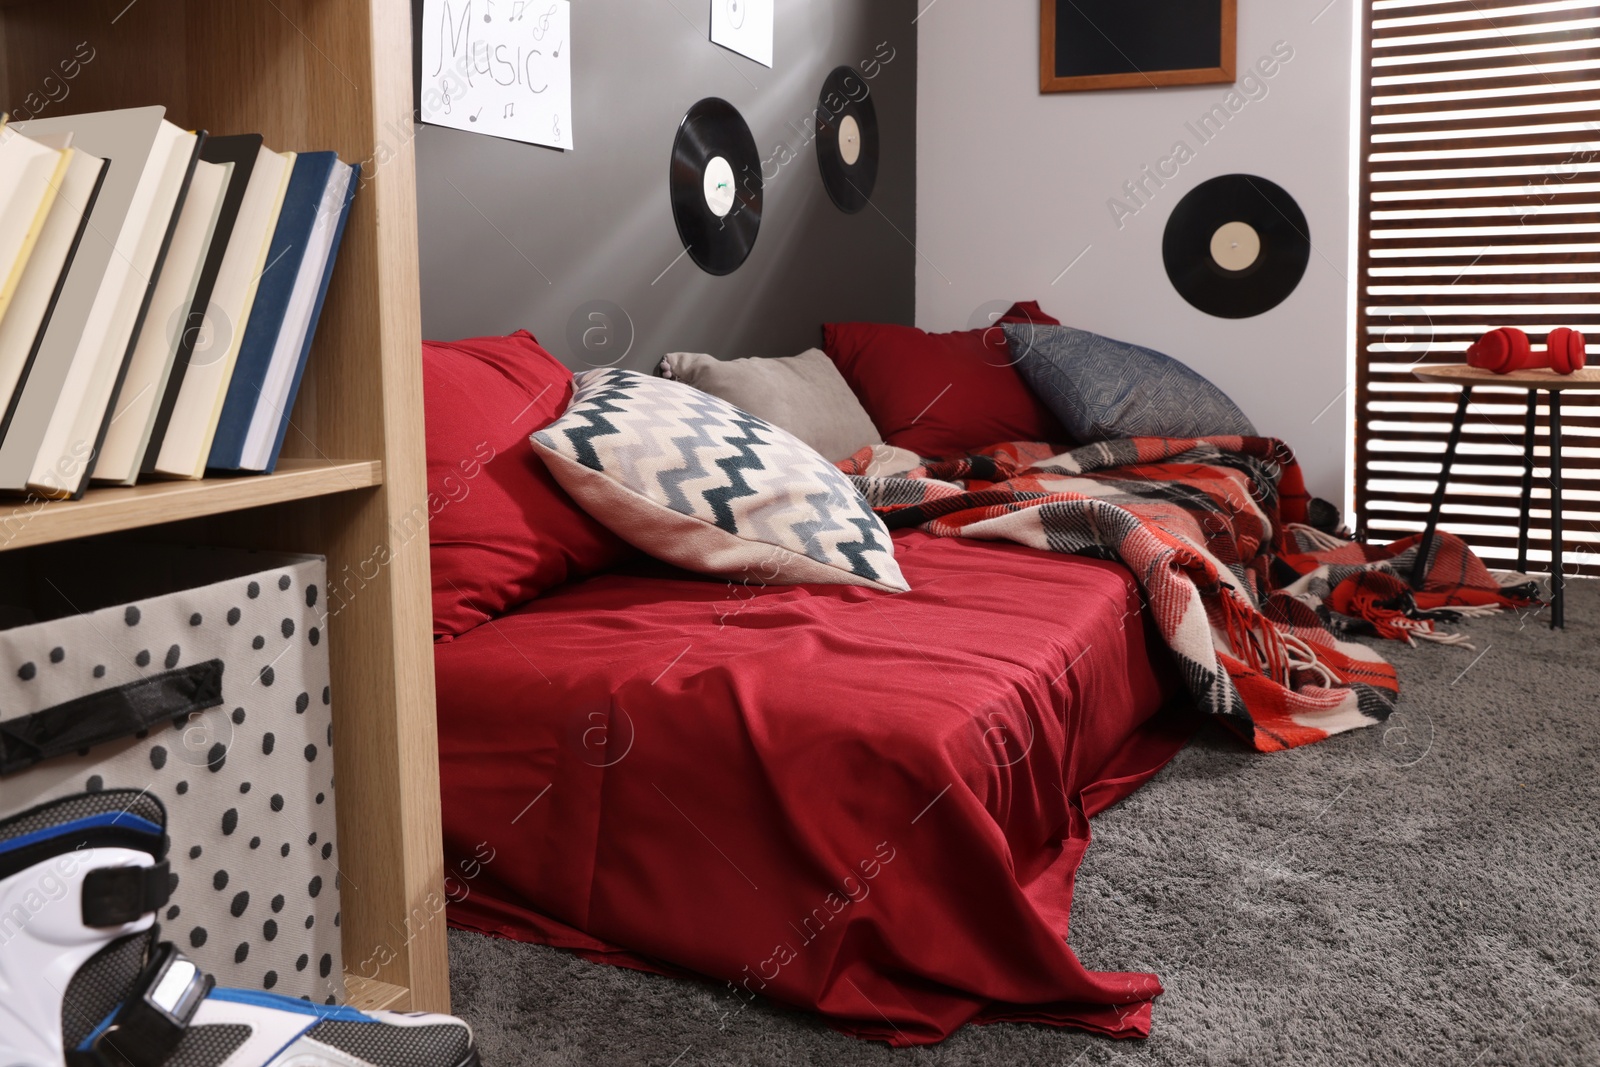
(134, 411)
(80, 416)
(77, 328)
(30, 174)
(187, 444)
(268, 415)
(36, 290)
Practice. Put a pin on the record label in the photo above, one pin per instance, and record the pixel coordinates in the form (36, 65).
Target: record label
(716, 186)
(1236, 246)
(719, 186)
(847, 139)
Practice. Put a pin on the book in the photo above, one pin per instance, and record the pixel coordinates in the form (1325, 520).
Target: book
(133, 411)
(271, 421)
(30, 174)
(200, 342)
(291, 247)
(87, 324)
(42, 281)
(91, 420)
(186, 444)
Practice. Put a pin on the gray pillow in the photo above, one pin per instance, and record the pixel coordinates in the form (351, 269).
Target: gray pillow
(805, 395)
(1101, 389)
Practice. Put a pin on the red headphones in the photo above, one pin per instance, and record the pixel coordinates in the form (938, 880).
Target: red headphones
(1567, 350)
(1508, 349)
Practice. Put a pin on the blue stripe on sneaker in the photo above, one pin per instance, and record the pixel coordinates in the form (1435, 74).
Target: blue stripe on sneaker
(93, 822)
(99, 1029)
(279, 1002)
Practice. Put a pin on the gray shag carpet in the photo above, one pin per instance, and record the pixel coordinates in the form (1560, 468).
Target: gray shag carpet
(1423, 892)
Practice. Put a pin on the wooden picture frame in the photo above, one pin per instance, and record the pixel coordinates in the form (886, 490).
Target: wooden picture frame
(1059, 77)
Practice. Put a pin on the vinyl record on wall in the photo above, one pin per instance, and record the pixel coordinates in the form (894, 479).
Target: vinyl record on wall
(1236, 246)
(716, 186)
(847, 139)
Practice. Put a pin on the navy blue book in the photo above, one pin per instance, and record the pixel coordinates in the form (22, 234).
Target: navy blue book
(285, 257)
(287, 404)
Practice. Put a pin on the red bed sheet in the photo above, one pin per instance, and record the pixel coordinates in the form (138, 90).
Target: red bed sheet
(868, 805)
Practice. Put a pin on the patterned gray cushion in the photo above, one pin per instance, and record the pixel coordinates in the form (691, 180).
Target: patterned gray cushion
(692, 480)
(1100, 388)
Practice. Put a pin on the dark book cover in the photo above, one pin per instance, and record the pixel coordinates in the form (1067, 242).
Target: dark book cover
(307, 185)
(316, 313)
(241, 150)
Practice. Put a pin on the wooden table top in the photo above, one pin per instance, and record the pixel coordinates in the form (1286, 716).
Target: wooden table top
(1542, 378)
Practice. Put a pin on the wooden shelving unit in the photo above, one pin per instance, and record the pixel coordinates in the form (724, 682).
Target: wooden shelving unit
(307, 74)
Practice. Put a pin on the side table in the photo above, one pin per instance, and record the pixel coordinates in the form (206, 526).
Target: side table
(1535, 382)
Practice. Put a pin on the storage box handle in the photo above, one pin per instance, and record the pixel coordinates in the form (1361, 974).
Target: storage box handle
(108, 715)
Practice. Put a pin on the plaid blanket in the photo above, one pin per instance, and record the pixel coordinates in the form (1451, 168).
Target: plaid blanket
(1251, 600)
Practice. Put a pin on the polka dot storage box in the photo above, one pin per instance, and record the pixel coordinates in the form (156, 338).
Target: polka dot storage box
(201, 677)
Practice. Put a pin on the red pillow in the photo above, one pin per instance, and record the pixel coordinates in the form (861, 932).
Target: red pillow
(942, 394)
(501, 530)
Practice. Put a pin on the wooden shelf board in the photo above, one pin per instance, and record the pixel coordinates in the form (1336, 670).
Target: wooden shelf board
(369, 994)
(107, 510)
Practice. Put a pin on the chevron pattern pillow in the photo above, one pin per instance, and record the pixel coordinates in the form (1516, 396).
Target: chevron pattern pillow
(692, 480)
(1102, 389)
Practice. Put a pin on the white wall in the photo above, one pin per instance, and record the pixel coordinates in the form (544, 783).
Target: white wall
(1014, 184)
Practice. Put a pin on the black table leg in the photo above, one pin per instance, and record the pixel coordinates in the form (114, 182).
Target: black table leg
(1529, 439)
(1419, 567)
(1558, 578)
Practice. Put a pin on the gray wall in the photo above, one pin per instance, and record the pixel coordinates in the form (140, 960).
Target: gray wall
(516, 235)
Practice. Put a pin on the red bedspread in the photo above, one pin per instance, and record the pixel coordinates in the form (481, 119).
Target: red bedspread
(868, 805)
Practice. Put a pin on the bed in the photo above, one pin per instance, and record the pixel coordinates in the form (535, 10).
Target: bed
(871, 806)
(865, 792)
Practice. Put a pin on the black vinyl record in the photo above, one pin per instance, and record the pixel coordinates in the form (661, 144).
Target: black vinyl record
(716, 186)
(847, 139)
(1236, 246)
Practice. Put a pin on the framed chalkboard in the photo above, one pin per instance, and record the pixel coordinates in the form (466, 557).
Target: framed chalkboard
(1129, 44)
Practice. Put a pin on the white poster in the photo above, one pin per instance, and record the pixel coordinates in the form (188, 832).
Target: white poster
(501, 67)
(745, 26)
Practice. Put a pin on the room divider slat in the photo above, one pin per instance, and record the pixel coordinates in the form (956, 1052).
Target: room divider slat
(1480, 207)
